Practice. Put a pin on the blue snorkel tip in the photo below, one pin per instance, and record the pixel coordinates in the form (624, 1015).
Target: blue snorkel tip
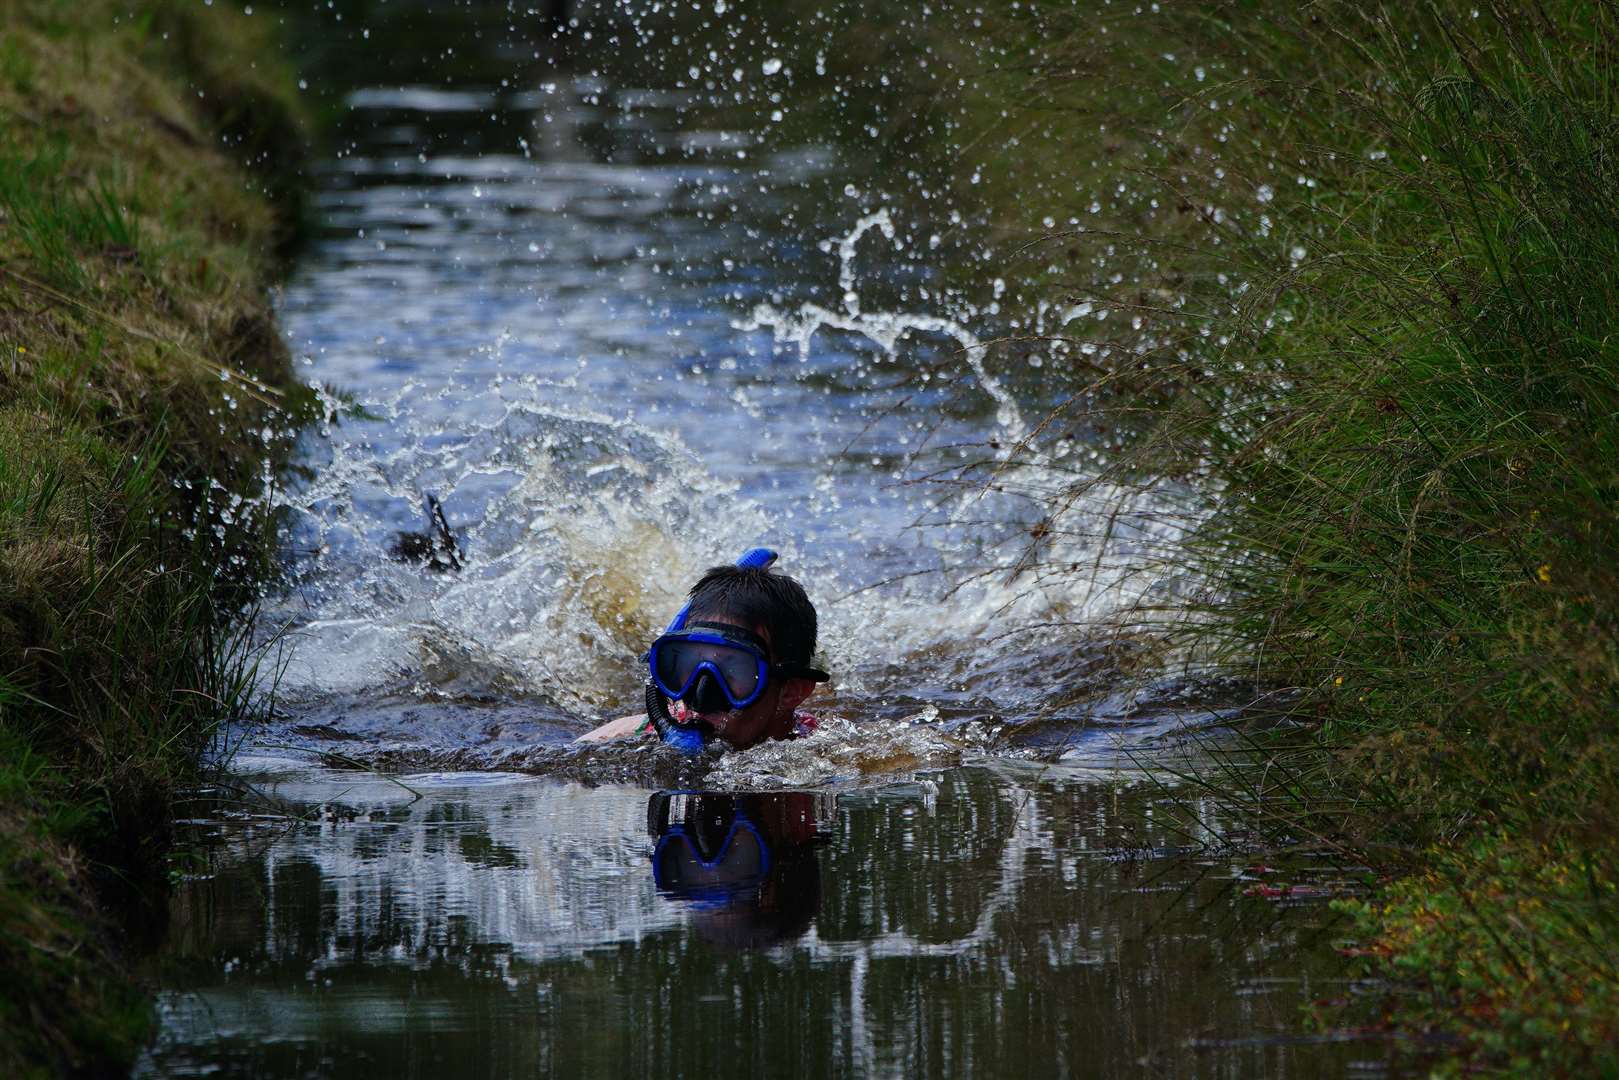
(757, 558)
(688, 740)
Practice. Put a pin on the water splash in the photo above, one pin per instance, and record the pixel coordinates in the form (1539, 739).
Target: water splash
(578, 532)
(884, 329)
(600, 428)
(840, 753)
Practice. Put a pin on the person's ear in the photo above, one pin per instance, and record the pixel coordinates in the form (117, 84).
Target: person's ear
(794, 691)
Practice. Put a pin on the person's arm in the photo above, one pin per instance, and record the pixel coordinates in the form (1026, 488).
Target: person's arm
(622, 728)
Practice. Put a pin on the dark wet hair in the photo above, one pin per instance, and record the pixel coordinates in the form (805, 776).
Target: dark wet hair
(756, 597)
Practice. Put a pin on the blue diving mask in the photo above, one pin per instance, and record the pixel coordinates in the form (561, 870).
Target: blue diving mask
(712, 666)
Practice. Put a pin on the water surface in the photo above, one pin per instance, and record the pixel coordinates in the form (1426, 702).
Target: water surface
(981, 920)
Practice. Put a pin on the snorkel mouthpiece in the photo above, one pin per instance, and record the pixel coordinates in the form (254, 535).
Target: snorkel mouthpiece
(694, 737)
(688, 739)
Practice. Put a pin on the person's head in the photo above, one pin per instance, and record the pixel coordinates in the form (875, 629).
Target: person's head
(775, 608)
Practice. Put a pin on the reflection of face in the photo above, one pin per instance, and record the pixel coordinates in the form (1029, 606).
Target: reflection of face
(771, 714)
(719, 860)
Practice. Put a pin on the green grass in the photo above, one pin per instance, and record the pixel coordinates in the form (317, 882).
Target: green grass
(1416, 466)
(54, 226)
(1371, 259)
(143, 390)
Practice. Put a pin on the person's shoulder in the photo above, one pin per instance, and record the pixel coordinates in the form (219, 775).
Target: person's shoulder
(622, 728)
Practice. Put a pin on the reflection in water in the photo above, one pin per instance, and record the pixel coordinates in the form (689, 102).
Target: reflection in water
(744, 863)
(977, 920)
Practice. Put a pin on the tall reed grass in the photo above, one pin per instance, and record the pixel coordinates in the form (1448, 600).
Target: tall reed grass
(1351, 272)
(1411, 427)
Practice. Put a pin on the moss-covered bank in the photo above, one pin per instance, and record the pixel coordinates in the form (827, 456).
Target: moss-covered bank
(148, 152)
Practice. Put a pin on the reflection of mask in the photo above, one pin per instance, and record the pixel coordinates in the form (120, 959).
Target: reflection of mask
(745, 864)
(713, 854)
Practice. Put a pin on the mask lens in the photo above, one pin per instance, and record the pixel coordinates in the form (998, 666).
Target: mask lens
(676, 663)
(740, 669)
(673, 663)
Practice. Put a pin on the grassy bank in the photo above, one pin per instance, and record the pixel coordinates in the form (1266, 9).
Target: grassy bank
(1370, 262)
(144, 393)
(1418, 517)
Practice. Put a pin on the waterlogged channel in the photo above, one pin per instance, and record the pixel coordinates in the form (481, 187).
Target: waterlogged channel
(628, 302)
(981, 920)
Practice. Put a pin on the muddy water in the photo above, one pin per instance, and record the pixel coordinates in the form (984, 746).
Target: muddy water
(629, 304)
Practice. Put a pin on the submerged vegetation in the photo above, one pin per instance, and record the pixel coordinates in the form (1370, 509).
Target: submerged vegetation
(1369, 268)
(144, 395)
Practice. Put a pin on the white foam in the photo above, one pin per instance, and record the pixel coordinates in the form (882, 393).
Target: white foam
(582, 530)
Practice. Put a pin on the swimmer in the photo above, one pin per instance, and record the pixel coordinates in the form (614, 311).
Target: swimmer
(734, 665)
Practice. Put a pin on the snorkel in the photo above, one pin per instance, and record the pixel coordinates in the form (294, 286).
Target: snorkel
(692, 738)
